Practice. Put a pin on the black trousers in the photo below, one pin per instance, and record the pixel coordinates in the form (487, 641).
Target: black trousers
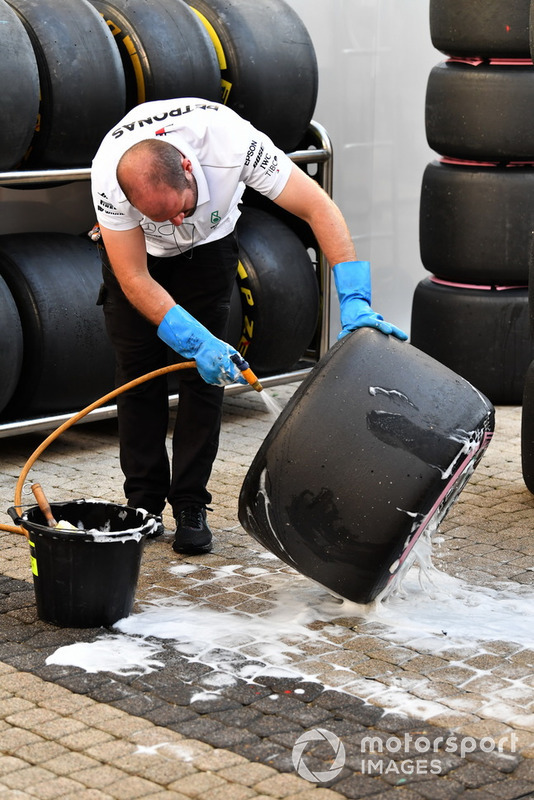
(201, 281)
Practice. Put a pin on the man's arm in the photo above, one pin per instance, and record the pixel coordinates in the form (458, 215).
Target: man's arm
(304, 197)
(126, 252)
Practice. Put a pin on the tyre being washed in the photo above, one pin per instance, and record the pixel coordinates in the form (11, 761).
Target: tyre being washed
(527, 430)
(68, 362)
(279, 293)
(81, 80)
(370, 452)
(268, 65)
(19, 103)
(165, 50)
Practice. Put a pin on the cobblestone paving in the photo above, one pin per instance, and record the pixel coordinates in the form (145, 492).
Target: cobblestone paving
(259, 656)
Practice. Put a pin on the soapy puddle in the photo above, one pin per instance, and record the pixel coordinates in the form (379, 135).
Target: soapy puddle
(430, 613)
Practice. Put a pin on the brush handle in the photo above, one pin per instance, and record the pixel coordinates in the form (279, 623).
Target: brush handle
(43, 504)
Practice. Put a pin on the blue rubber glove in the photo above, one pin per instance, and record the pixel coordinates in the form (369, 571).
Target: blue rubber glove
(188, 337)
(353, 284)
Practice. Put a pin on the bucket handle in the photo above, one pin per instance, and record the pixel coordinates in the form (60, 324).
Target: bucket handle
(15, 516)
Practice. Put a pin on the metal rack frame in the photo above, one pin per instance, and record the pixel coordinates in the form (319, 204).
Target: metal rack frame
(320, 154)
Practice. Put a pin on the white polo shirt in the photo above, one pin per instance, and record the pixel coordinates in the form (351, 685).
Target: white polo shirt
(227, 154)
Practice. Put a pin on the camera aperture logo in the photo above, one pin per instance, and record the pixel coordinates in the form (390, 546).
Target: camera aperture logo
(385, 754)
(318, 735)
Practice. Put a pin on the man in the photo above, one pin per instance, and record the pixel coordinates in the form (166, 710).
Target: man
(166, 182)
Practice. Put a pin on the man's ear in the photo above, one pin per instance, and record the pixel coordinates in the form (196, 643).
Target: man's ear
(187, 164)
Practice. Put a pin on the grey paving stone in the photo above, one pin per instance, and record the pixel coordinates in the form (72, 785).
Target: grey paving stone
(169, 715)
(138, 704)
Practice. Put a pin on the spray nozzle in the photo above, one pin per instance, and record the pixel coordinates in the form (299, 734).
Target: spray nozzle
(247, 373)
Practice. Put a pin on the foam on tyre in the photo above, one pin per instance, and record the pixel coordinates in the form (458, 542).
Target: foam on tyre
(482, 334)
(268, 65)
(476, 222)
(369, 453)
(165, 50)
(68, 362)
(81, 79)
(527, 430)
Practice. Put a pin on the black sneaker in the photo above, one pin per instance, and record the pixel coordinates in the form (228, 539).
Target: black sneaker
(192, 532)
(159, 528)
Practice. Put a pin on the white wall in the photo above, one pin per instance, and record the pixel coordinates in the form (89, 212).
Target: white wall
(374, 57)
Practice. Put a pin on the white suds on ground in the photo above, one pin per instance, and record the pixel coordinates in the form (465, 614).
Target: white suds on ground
(430, 612)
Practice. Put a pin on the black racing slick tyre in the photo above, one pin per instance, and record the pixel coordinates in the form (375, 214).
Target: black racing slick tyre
(481, 112)
(268, 65)
(279, 293)
(527, 430)
(481, 28)
(235, 322)
(81, 80)
(19, 99)
(165, 50)
(476, 222)
(12, 347)
(68, 361)
(369, 453)
(481, 333)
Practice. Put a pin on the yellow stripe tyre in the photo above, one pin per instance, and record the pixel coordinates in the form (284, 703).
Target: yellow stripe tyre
(165, 50)
(279, 293)
(268, 66)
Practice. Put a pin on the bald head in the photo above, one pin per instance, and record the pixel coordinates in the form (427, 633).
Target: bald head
(151, 165)
(158, 181)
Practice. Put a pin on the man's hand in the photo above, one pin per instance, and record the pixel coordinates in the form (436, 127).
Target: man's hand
(188, 337)
(353, 284)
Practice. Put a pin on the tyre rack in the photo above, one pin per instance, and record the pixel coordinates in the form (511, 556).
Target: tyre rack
(319, 154)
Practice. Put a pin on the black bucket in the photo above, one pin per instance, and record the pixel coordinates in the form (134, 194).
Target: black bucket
(86, 578)
(370, 452)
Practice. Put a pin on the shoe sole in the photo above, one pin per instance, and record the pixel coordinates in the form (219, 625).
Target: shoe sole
(193, 551)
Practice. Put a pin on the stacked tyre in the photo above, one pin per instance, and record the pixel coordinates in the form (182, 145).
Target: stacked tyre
(477, 199)
(71, 70)
(277, 298)
(55, 353)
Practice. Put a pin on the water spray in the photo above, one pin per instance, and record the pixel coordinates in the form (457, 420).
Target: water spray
(247, 373)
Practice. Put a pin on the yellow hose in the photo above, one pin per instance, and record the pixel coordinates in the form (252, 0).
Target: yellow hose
(75, 418)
